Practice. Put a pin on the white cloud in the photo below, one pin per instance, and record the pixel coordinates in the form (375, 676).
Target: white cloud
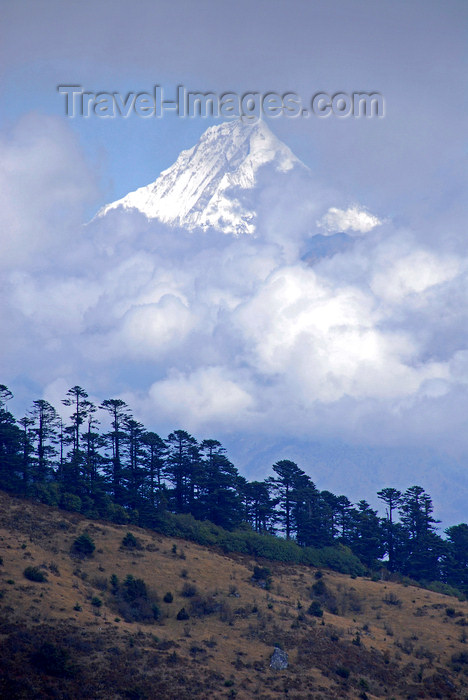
(326, 340)
(205, 397)
(354, 220)
(44, 185)
(412, 273)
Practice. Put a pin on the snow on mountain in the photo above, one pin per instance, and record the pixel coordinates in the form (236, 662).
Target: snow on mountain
(206, 185)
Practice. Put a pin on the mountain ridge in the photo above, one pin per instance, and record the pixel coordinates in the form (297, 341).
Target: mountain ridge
(204, 187)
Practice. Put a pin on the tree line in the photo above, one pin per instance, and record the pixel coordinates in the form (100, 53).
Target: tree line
(129, 472)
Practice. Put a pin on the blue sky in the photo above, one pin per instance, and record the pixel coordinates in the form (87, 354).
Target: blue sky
(406, 282)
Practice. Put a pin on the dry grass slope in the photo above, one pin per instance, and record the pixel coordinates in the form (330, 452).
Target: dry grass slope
(82, 633)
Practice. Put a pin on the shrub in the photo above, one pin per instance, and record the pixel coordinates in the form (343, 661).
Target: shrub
(168, 598)
(461, 658)
(33, 573)
(134, 588)
(54, 568)
(131, 542)
(189, 590)
(450, 612)
(134, 601)
(202, 605)
(343, 672)
(446, 589)
(183, 614)
(96, 602)
(84, 545)
(262, 577)
(261, 573)
(315, 609)
(69, 501)
(319, 588)
(391, 599)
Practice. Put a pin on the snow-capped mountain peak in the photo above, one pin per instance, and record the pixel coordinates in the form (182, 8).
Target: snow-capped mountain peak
(203, 188)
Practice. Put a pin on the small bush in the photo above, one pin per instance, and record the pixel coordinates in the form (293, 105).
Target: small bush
(33, 573)
(262, 577)
(450, 612)
(133, 600)
(168, 598)
(96, 602)
(134, 588)
(54, 568)
(84, 545)
(189, 590)
(71, 502)
(183, 614)
(261, 573)
(461, 658)
(343, 672)
(131, 542)
(315, 609)
(391, 599)
(202, 605)
(319, 588)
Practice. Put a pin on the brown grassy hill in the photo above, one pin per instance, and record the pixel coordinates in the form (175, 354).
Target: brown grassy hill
(81, 634)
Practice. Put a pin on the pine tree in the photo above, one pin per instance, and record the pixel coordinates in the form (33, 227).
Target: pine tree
(27, 449)
(135, 449)
(289, 479)
(307, 514)
(218, 498)
(455, 560)
(424, 547)
(119, 413)
(77, 398)
(259, 506)
(45, 433)
(10, 444)
(153, 464)
(179, 466)
(392, 499)
(366, 539)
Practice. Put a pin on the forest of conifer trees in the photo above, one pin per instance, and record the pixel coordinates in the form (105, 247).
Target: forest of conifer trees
(131, 474)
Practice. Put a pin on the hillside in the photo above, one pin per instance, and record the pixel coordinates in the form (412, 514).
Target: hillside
(90, 632)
